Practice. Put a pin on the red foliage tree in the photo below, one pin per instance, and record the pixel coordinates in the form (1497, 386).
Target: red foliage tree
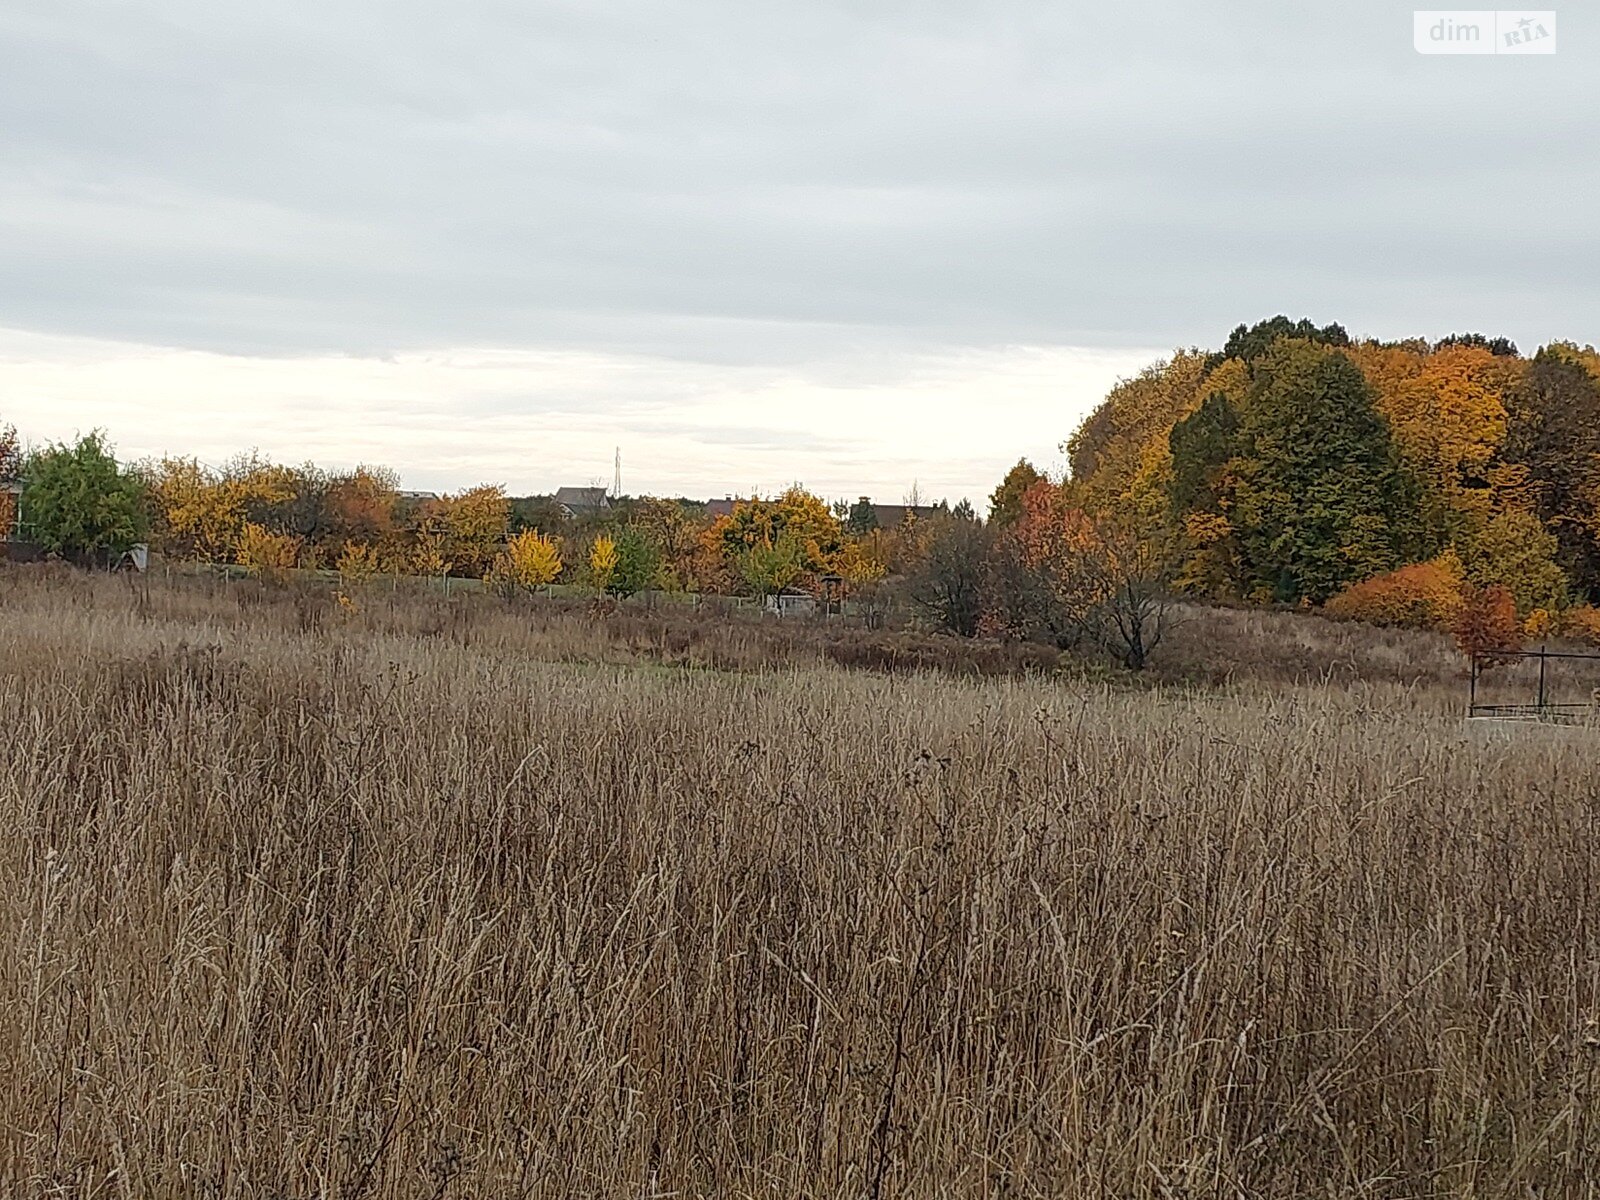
(1487, 627)
(10, 473)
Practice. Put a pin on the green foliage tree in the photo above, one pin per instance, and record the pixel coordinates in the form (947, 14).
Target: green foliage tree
(1249, 342)
(671, 535)
(1515, 551)
(1322, 499)
(1553, 432)
(770, 566)
(80, 504)
(1499, 347)
(861, 518)
(1201, 444)
(1005, 502)
(537, 512)
(1200, 486)
(638, 563)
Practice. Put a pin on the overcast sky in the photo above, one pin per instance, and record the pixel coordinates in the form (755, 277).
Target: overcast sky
(854, 243)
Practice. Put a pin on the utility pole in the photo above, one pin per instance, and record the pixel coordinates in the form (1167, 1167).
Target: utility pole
(616, 480)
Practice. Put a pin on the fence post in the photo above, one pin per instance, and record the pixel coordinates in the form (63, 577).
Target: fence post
(1542, 660)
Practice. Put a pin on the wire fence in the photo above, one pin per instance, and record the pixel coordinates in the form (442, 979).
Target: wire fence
(1561, 686)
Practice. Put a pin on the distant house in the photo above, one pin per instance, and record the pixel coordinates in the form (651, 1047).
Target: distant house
(893, 516)
(583, 501)
(417, 497)
(862, 515)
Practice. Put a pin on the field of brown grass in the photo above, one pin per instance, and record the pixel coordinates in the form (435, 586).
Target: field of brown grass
(433, 900)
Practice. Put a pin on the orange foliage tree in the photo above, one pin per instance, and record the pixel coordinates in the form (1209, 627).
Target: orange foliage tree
(361, 507)
(1100, 574)
(1420, 596)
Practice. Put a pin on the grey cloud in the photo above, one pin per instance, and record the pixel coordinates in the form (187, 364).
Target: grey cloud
(771, 183)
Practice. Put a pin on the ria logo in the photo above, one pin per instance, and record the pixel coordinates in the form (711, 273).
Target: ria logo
(1483, 31)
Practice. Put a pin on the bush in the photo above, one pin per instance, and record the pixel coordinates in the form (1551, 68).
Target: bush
(1421, 596)
(1582, 624)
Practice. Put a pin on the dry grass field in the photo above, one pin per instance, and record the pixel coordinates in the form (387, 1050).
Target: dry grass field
(445, 901)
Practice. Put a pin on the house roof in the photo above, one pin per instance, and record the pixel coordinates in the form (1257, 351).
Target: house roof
(890, 516)
(583, 497)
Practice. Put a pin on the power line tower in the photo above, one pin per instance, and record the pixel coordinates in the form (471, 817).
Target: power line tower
(616, 480)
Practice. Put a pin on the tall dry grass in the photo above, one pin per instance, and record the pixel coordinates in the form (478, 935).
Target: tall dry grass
(309, 906)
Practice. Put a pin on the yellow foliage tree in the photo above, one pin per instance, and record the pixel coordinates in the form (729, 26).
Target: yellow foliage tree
(1448, 419)
(475, 523)
(1513, 549)
(358, 563)
(461, 533)
(798, 515)
(530, 561)
(1115, 446)
(257, 487)
(861, 561)
(603, 561)
(266, 554)
(197, 515)
(1538, 625)
(1208, 562)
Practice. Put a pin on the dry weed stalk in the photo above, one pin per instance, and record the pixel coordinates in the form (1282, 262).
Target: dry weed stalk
(416, 904)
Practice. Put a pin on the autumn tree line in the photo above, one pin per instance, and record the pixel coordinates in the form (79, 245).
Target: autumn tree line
(1404, 483)
(1451, 484)
(271, 519)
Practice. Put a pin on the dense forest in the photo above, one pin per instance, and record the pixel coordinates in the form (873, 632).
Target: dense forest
(1297, 464)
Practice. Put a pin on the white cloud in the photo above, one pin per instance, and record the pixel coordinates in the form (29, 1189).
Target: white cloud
(953, 423)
